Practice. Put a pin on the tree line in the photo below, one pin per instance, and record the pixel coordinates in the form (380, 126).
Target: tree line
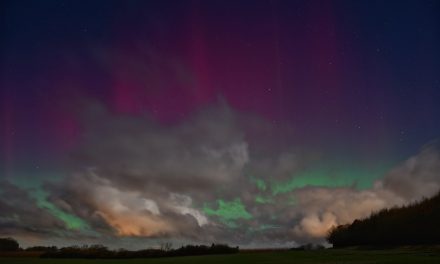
(100, 251)
(414, 224)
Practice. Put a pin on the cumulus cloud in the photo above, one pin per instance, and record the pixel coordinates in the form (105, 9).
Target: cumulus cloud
(182, 204)
(140, 153)
(144, 179)
(135, 177)
(21, 216)
(323, 208)
(415, 179)
(128, 212)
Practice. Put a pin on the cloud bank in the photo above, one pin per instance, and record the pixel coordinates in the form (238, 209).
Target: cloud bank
(206, 179)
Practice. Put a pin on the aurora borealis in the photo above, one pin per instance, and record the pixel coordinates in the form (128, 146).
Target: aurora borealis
(255, 123)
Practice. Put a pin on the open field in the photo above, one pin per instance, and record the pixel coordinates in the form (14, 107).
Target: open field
(320, 256)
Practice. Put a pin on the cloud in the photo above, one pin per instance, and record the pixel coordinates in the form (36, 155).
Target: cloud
(21, 216)
(323, 208)
(210, 178)
(143, 179)
(418, 176)
(182, 205)
(128, 212)
(140, 153)
(414, 179)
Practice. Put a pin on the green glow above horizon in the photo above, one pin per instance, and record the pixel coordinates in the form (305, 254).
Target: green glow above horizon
(228, 212)
(260, 183)
(35, 191)
(232, 213)
(260, 199)
(325, 177)
(71, 221)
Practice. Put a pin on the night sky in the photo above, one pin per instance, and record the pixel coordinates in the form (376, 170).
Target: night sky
(254, 123)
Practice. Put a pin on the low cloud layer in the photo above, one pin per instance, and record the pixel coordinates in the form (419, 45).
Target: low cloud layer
(322, 208)
(207, 180)
(22, 218)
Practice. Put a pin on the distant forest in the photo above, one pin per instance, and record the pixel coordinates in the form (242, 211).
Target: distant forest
(415, 224)
(99, 251)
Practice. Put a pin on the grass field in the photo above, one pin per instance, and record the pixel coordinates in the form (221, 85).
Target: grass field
(321, 256)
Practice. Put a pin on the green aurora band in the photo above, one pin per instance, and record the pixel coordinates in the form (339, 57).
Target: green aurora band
(71, 221)
(36, 192)
(229, 212)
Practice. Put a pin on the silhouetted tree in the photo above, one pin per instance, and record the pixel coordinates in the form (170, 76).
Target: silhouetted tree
(309, 246)
(42, 249)
(9, 244)
(166, 246)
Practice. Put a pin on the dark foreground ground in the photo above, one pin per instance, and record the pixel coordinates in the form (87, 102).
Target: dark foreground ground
(318, 256)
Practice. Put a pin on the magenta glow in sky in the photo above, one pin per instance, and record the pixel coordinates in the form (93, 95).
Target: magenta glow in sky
(214, 121)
